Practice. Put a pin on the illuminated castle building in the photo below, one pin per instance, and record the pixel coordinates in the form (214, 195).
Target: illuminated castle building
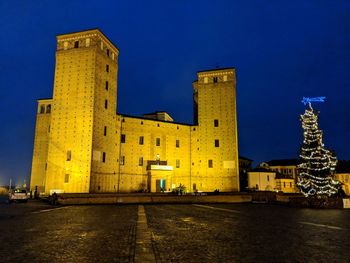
(82, 145)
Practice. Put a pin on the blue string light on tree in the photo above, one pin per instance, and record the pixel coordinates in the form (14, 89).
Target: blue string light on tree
(317, 164)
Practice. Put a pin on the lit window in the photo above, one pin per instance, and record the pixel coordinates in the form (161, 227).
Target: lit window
(66, 178)
(205, 79)
(216, 143)
(141, 161)
(87, 42)
(122, 138)
(158, 142)
(69, 155)
(177, 163)
(210, 163)
(141, 140)
(177, 143)
(225, 77)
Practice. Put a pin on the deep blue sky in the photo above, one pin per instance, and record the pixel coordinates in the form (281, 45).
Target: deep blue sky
(282, 51)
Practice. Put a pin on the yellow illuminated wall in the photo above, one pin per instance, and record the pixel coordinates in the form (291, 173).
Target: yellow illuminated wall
(90, 148)
(41, 144)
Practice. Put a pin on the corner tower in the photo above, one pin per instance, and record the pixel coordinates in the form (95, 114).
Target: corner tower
(83, 111)
(216, 117)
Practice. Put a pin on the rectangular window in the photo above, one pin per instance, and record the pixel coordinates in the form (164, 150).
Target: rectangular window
(210, 163)
(284, 184)
(122, 160)
(216, 143)
(216, 123)
(177, 143)
(69, 155)
(177, 163)
(103, 157)
(48, 108)
(105, 131)
(158, 142)
(122, 138)
(215, 79)
(106, 104)
(290, 185)
(268, 178)
(66, 178)
(42, 109)
(141, 161)
(76, 44)
(141, 140)
(106, 85)
(107, 52)
(107, 68)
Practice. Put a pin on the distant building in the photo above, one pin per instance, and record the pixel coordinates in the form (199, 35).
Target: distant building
(343, 175)
(82, 145)
(285, 167)
(263, 178)
(245, 165)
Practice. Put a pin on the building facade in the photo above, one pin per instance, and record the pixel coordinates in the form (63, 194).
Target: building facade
(82, 145)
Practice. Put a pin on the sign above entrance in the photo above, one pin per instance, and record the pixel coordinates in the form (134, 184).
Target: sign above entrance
(162, 167)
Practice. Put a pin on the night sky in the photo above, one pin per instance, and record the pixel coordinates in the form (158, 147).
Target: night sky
(282, 51)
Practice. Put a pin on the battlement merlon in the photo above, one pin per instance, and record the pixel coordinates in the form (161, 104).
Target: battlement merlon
(86, 38)
(216, 75)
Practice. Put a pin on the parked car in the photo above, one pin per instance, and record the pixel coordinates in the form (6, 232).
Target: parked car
(19, 195)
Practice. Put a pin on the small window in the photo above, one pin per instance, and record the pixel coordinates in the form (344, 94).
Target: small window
(107, 68)
(216, 123)
(107, 52)
(122, 160)
(284, 184)
(42, 109)
(66, 178)
(290, 185)
(87, 42)
(103, 157)
(177, 143)
(76, 44)
(215, 79)
(48, 108)
(205, 79)
(106, 85)
(69, 155)
(106, 104)
(177, 163)
(105, 131)
(210, 163)
(268, 178)
(225, 77)
(158, 125)
(122, 138)
(141, 140)
(141, 122)
(141, 161)
(216, 143)
(158, 142)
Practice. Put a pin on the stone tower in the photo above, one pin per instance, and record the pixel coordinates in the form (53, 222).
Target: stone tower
(216, 148)
(83, 112)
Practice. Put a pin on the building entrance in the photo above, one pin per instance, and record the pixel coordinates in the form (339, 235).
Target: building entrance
(160, 185)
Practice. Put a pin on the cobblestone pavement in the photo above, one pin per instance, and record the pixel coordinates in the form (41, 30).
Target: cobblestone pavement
(248, 233)
(36, 232)
(67, 234)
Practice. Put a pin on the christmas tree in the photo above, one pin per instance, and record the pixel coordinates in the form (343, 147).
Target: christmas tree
(317, 164)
